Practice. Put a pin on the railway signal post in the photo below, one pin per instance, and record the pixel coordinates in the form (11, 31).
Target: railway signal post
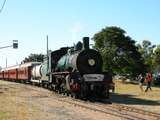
(14, 45)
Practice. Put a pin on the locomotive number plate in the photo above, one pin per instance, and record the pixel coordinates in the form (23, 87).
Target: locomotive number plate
(93, 77)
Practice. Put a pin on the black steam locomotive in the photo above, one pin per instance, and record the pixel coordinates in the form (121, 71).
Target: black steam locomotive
(74, 70)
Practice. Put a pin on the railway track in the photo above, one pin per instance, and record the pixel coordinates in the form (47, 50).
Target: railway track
(136, 111)
(123, 111)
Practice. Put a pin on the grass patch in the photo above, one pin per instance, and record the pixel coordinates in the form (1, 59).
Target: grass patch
(3, 115)
(134, 89)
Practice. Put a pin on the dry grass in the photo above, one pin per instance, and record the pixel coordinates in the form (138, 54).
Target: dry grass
(134, 89)
(3, 115)
(11, 108)
(131, 95)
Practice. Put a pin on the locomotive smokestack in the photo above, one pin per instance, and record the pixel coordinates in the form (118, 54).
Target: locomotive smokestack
(86, 43)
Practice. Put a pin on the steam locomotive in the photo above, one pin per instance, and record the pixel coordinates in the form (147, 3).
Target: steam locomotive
(75, 71)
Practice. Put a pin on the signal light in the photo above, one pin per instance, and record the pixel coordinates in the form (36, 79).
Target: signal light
(15, 44)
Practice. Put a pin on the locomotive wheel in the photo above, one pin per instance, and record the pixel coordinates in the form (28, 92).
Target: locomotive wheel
(46, 86)
(67, 94)
(59, 91)
(32, 83)
(74, 95)
(40, 84)
(49, 86)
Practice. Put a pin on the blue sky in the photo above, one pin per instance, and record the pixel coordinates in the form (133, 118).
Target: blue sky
(67, 21)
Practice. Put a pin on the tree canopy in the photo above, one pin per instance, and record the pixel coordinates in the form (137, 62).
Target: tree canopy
(119, 52)
(156, 60)
(146, 50)
(34, 58)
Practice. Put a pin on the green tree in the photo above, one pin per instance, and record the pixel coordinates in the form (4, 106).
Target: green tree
(120, 55)
(146, 49)
(156, 59)
(34, 58)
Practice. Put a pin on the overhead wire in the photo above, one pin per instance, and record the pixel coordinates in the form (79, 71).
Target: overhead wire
(2, 6)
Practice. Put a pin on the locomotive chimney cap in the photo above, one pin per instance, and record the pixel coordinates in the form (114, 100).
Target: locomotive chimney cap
(86, 43)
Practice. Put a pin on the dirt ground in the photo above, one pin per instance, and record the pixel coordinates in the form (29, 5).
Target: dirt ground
(25, 102)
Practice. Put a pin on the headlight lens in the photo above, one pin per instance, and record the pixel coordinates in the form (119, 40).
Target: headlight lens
(91, 62)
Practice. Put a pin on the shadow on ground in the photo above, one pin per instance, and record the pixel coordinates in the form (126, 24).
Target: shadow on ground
(131, 100)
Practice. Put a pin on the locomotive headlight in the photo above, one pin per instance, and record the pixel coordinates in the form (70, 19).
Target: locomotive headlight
(91, 62)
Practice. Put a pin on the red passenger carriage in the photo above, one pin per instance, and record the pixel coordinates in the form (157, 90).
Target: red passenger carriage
(1, 74)
(18, 72)
(24, 73)
(5, 75)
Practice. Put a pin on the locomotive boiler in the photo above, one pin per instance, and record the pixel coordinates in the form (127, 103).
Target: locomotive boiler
(81, 59)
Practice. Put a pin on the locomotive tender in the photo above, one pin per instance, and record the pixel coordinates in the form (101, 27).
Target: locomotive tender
(72, 70)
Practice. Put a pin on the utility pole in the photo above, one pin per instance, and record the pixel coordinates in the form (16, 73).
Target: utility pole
(6, 63)
(48, 63)
(47, 55)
